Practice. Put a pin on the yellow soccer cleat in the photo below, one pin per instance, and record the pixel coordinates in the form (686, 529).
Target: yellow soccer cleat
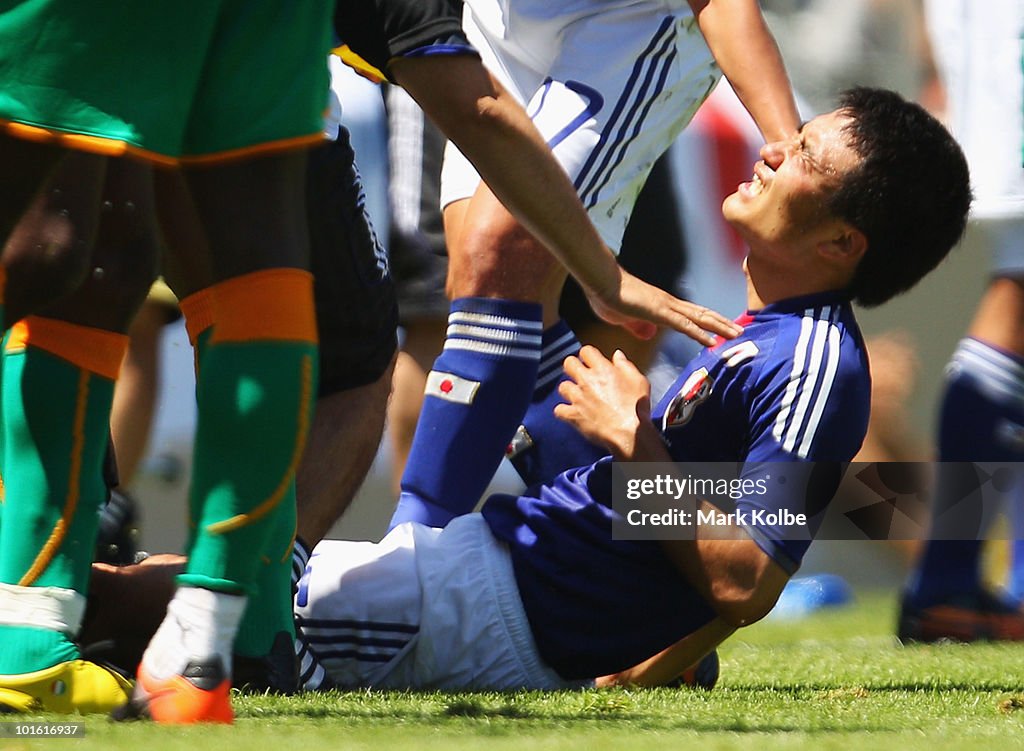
(76, 686)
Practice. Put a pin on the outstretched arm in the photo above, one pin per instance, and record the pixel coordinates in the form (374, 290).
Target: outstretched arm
(497, 136)
(745, 50)
(670, 663)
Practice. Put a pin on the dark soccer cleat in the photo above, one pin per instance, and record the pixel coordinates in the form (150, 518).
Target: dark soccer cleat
(703, 675)
(981, 616)
(276, 672)
(118, 534)
(200, 693)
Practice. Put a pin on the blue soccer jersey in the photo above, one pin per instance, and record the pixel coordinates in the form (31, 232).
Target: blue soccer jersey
(794, 387)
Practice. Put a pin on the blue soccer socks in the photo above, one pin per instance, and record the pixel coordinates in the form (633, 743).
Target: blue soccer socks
(982, 419)
(476, 395)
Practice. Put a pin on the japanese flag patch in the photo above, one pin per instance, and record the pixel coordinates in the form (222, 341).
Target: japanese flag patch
(451, 387)
(696, 389)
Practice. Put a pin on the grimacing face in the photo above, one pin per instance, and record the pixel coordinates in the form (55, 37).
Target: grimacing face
(786, 200)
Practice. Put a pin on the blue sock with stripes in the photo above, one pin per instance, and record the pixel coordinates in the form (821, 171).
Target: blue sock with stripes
(982, 420)
(545, 446)
(476, 394)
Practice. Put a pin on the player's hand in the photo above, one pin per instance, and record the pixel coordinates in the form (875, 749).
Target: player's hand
(641, 307)
(608, 400)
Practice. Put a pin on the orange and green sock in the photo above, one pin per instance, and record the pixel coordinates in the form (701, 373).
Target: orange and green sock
(270, 609)
(256, 389)
(57, 390)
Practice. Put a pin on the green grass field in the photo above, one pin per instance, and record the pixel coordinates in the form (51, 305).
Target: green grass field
(837, 680)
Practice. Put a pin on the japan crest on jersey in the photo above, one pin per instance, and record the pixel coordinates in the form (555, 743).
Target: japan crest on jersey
(695, 391)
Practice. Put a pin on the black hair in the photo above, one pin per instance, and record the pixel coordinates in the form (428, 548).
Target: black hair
(909, 195)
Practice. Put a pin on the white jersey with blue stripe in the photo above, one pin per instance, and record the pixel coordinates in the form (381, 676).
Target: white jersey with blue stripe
(608, 83)
(794, 387)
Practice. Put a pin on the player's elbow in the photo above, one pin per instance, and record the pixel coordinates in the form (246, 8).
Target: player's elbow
(739, 606)
(496, 114)
(747, 597)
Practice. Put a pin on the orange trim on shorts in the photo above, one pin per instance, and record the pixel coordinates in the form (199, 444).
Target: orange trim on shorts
(60, 529)
(248, 152)
(197, 309)
(273, 304)
(81, 142)
(302, 431)
(95, 350)
(117, 148)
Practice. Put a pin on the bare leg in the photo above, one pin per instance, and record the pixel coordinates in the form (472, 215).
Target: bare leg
(608, 338)
(491, 255)
(423, 341)
(135, 396)
(47, 255)
(343, 441)
(74, 305)
(1000, 317)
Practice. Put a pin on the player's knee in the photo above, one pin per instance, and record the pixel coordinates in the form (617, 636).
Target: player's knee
(500, 261)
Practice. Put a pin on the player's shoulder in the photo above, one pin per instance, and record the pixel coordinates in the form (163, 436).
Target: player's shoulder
(815, 386)
(811, 349)
(802, 332)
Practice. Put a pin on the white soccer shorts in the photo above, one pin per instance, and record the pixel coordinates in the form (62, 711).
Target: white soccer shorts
(609, 84)
(422, 609)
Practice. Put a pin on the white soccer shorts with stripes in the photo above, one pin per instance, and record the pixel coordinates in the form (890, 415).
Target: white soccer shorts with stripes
(424, 608)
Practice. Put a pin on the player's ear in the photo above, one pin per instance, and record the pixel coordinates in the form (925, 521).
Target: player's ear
(845, 244)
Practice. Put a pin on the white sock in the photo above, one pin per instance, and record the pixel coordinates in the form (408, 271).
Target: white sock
(199, 624)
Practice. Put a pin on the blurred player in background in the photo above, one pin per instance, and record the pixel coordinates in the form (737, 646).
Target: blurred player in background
(419, 262)
(978, 50)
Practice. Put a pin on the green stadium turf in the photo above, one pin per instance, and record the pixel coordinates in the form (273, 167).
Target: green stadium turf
(834, 680)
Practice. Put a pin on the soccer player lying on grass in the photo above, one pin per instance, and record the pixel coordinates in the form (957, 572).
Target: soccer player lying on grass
(535, 591)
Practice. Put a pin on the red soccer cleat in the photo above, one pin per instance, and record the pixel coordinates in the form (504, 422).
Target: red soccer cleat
(982, 616)
(200, 693)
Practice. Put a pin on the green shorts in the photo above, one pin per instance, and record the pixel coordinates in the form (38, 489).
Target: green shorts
(170, 80)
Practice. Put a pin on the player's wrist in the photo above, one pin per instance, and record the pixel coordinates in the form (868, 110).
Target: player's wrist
(627, 440)
(604, 279)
